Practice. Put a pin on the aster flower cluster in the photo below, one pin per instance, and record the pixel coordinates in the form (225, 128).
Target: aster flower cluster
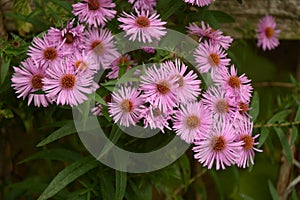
(61, 66)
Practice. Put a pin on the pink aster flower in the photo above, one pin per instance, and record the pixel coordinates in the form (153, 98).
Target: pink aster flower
(143, 27)
(155, 118)
(27, 79)
(244, 129)
(47, 50)
(125, 106)
(267, 33)
(100, 47)
(66, 86)
(211, 58)
(83, 62)
(71, 37)
(199, 3)
(159, 88)
(218, 146)
(188, 84)
(215, 37)
(123, 61)
(191, 121)
(143, 4)
(238, 88)
(94, 12)
(218, 104)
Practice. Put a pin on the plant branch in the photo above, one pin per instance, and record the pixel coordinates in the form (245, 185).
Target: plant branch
(273, 84)
(277, 124)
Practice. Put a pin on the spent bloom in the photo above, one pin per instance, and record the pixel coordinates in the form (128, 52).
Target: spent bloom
(188, 84)
(211, 58)
(267, 34)
(97, 110)
(94, 12)
(199, 3)
(143, 4)
(143, 27)
(218, 146)
(66, 86)
(27, 79)
(125, 106)
(191, 121)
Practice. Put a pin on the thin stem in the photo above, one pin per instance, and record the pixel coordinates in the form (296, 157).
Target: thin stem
(277, 124)
(273, 84)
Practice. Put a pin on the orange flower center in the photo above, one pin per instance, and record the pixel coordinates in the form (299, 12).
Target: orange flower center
(234, 82)
(163, 87)
(192, 122)
(50, 53)
(127, 105)
(243, 107)
(218, 143)
(180, 80)
(93, 4)
(269, 31)
(97, 47)
(68, 81)
(215, 59)
(222, 106)
(79, 64)
(248, 140)
(36, 81)
(69, 38)
(142, 22)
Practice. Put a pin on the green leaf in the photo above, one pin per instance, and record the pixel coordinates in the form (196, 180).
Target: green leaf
(68, 175)
(54, 154)
(255, 106)
(176, 6)
(222, 17)
(294, 135)
(99, 99)
(297, 117)
(141, 189)
(4, 68)
(273, 191)
(263, 136)
(121, 183)
(68, 129)
(63, 4)
(186, 169)
(106, 185)
(285, 145)
(279, 117)
(218, 184)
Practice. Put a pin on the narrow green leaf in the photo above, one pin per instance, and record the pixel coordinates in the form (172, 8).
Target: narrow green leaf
(294, 135)
(297, 117)
(222, 17)
(4, 68)
(255, 106)
(140, 190)
(176, 6)
(107, 186)
(285, 145)
(186, 169)
(121, 183)
(263, 136)
(54, 154)
(99, 99)
(68, 175)
(68, 129)
(273, 191)
(218, 184)
(279, 117)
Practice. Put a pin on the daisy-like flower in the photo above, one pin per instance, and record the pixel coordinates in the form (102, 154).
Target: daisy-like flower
(215, 37)
(218, 146)
(45, 51)
(125, 106)
(238, 88)
(155, 118)
(159, 88)
(188, 85)
(144, 27)
(244, 129)
(143, 4)
(123, 61)
(218, 104)
(100, 47)
(72, 37)
(97, 110)
(83, 62)
(267, 33)
(95, 12)
(199, 3)
(191, 121)
(66, 86)
(211, 58)
(27, 79)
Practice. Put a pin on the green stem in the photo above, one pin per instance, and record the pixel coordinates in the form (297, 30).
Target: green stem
(277, 124)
